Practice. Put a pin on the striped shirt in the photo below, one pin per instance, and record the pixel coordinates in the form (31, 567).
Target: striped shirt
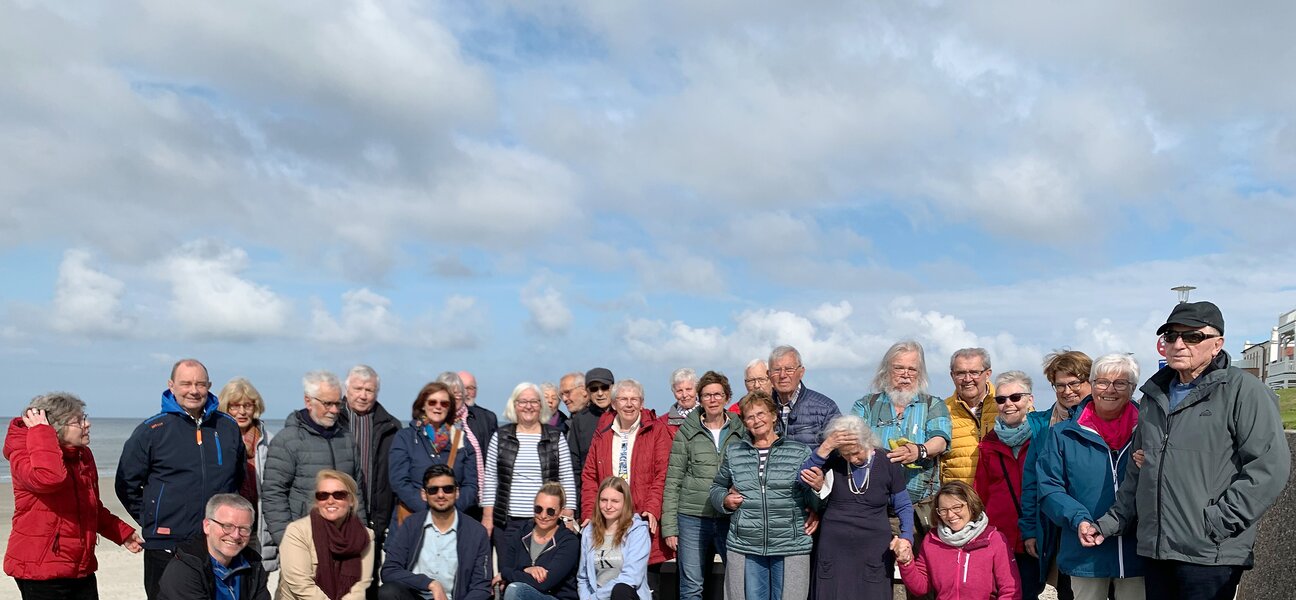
(526, 475)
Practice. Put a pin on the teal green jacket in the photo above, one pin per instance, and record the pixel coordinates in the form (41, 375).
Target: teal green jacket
(694, 461)
(771, 519)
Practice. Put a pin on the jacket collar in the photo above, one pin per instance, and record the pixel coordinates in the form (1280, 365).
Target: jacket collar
(171, 405)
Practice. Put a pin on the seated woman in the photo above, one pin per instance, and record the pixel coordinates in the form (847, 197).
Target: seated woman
(539, 561)
(967, 558)
(614, 548)
(328, 553)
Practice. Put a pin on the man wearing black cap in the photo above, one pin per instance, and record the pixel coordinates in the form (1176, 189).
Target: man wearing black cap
(1215, 460)
(581, 425)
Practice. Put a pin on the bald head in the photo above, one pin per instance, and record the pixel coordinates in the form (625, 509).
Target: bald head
(470, 387)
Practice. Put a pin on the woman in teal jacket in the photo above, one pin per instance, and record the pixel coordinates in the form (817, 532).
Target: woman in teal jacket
(1080, 469)
(759, 486)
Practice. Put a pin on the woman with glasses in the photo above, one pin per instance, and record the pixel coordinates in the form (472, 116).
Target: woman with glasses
(328, 553)
(521, 457)
(432, 438)
(1080, 469)
(538, 561)
(614, 548)
(58, 514)
(1002, 465)
(967, 558)
(239, 399)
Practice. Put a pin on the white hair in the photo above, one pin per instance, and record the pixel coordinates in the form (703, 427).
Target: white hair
(854, 425)
(363, 373)
(510, 407)
(313, 381)
(682, 375)
(1117, 362)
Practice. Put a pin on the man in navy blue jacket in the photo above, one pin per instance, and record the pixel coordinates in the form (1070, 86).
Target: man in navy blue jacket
(174, 462)
(803, 412)
(437, 549)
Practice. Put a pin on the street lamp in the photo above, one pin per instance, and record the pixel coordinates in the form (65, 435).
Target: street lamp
(1183, 290)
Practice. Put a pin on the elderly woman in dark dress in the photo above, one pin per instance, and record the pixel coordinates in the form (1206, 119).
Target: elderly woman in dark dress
(856, 548)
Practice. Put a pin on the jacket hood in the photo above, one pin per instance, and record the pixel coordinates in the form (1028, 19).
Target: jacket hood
(16, 437)
(170, 405)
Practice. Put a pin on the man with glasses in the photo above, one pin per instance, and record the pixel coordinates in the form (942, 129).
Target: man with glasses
(1205, 482)
(218, 565)
(173, 462)
(755, 377)
(313, 438)
(439, 553)
(972, 412)
(802, 412)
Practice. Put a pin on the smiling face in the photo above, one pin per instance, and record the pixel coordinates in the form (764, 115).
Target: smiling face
(685, 394)
(599, 393)
(332, 508)
(543, 520)
(628, 405)
(970, 377)
(759, 421)
(1070, 390)
(436, 407)
(1112, 390)
(225, 546)
(573, 394)
(953, 511)
(439, 500)
(786, 372)
(190, 387)
(611, 503)
(1013, 413)
(713, 400)
(757, 378)
(527, 407)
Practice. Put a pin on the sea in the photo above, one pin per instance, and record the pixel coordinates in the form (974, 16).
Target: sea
(107, 437)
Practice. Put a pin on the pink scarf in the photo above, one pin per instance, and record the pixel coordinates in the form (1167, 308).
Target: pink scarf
(461, 419)
(1116, 432)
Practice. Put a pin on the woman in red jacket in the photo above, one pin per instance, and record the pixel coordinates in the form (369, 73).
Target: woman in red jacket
(633, 445)
(966, 558)
(57, 511)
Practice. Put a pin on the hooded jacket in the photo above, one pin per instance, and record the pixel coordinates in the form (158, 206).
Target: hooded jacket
(561, 558)
(57, 510)
(190, 575)
(693, 463)
(172, 463)
(299, 451)
(983, 568)
(1212, 467)
(647, 465)
(634, 567)
(771, 519)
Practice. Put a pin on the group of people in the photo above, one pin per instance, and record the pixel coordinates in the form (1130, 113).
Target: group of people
(979, 495)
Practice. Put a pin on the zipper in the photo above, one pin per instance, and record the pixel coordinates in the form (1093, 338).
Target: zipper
(1165, 443)
(1113, 459)
(220, 460)
(967, 561)
(764, 504)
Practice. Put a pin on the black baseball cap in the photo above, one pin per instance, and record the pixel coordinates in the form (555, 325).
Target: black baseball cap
(1194, 314)
(599, 375)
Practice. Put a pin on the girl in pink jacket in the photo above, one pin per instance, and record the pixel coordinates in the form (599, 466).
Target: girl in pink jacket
(964, 557)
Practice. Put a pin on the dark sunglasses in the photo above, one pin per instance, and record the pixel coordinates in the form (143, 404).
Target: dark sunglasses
(445, 489)
(1014, 397)
(1192, 338)
(549, 511)
(431, 402)
(338, 495)
(598, 387)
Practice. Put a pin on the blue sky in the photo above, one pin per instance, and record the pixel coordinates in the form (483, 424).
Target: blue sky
(523, 189)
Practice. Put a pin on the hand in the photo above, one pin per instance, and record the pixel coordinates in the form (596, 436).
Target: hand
(672, 542)
(1138, 457)
(902, 549)
(134, 543)
(905, 454)
(572, 525)
(538, 573)
(33, 417)
(1030, 547)
(813, 477)
(584, 524)
(652, 521)
(1089, 535)
(811, 522)
(838, 439)
(438, 592)
(497, 581)
(733, 500)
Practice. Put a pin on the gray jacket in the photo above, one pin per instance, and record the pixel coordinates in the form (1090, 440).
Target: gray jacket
(297, 453)
(267, 549)
(1213, 466)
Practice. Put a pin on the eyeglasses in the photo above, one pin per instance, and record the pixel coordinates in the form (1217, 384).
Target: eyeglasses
(968, 373)
(202, 385)
(756, 380)
(82, 421)
(1070, 385)
(1190, 338)
(336, 495)
(240, 407)
(528, 402)
(431, 402)
(951, 510)
(470, 388)
(714, 396)
(232, 529)
(567, 392)
(328, 405)
(547, 510)
(445, 489)
(780, 371)
(1014, 397)
(1119, 385)
(598, 387)
(899, 370)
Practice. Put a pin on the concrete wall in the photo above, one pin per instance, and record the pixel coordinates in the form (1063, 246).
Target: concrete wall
(1274, 575)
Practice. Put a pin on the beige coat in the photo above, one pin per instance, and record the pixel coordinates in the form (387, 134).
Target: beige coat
(297, 563)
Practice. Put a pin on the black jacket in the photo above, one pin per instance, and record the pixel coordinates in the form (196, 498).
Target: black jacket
(472, 581)
(482, 422)
(385, 427)
(506, 443)
(580, 432)
(560, 558)
(189, 575)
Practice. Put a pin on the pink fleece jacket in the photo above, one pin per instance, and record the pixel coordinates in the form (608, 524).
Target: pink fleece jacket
(982, 569)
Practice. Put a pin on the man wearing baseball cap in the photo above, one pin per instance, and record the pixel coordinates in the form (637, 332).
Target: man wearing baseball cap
(581, 425)
(1215, 460)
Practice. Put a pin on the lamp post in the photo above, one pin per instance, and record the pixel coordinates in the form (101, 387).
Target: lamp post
(1183, 290)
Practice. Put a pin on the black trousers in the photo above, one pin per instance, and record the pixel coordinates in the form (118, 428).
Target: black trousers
(83, 588)
(155, 562)
(1171, 579)
(622, 591)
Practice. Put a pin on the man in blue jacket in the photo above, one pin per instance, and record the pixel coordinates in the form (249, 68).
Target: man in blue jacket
(803, 412)
(438, 549)
(173, 462)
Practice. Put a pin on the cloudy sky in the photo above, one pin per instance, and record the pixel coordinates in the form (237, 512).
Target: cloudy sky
(527, 188)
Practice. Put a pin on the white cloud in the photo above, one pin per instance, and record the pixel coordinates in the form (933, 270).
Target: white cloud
(87, 301)
(210, 299)
(547, 311)
(366, 318)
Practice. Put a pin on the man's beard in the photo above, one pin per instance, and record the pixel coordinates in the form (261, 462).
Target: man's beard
(900, 398)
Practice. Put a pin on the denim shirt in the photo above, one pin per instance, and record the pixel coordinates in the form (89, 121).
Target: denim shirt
(925, 417)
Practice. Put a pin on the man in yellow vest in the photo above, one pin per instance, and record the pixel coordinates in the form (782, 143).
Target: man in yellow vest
(972, 412)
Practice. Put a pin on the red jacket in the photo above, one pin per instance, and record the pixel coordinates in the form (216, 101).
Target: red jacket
(998, 493)
(983, 568)
(648, 462)
(57, 511)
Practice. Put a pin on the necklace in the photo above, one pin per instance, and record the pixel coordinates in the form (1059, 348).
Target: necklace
(868, 471)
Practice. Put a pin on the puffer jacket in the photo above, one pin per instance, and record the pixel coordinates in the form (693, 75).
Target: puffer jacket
(959, 461)
(1213, 467)
(647, 464)
(1078, 477)
(809, 416)
(693, 463)
(190, 576)
(265, 542)
(411, 455)
(771, 519)
(172, 464)
(297, 453)
(983, 568)
(57, 510)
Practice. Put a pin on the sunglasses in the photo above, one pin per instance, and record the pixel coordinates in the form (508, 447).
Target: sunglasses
(548, 511)
(1192, 338)
(338, 495)
(598, 387)
(445, 489)
(1014, 397)
(431, 402)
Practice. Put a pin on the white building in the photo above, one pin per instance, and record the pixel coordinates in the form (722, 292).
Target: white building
(1273, 360)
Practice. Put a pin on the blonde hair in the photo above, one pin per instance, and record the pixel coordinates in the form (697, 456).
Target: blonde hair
(239, 388)
(347, 482)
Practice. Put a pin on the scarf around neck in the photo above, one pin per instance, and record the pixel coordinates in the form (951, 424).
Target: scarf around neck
(969, 532)
(1116, 432)
(338, 550)
(1014, 437)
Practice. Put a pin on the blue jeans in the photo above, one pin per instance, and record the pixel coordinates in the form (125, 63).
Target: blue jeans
(763, 577)
(522, 591)
(700, 539)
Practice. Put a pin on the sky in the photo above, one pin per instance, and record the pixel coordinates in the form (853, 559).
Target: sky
(523, 189)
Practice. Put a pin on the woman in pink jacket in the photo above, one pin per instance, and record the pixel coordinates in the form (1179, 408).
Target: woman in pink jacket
(966, 558)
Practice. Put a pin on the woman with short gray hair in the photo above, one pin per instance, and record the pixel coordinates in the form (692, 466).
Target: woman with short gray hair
(58, 514)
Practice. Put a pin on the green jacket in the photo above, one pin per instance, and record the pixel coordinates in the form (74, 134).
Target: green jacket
(771, 519)
(1212, 467)
(694, 461)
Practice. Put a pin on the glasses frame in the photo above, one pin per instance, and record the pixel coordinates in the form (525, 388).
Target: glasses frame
(432, 490)
(335, 494)
(1014, 397)
(548, 511)
(1073, 386)
(944, 512)
(1172, 336)
(230, 529)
